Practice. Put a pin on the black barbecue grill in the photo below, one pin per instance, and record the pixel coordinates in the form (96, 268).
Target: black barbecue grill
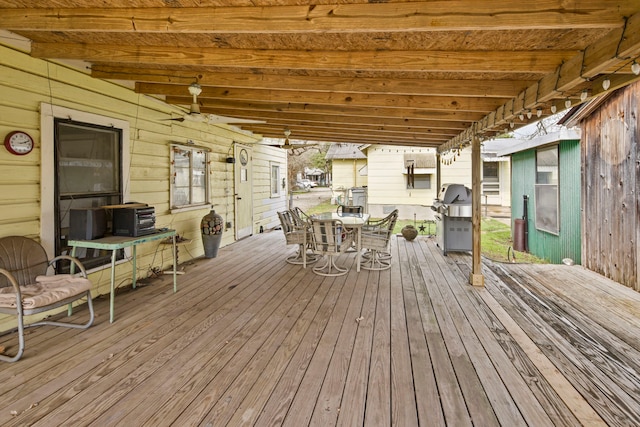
(453, 218)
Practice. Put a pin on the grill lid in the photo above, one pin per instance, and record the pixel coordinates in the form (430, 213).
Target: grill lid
(454, 193)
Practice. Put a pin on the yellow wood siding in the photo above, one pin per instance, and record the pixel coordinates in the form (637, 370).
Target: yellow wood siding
(346, 173)
(27, 83)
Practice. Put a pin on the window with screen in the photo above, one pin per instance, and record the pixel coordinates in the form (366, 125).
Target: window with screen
(275, 180)
(490, 178)
(88, 175)
(190, 171)
(547, 196)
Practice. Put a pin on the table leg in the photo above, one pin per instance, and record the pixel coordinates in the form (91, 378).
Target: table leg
(113, 282)
(359, 248)
(175, 261)
(72, 270)
(133, 283)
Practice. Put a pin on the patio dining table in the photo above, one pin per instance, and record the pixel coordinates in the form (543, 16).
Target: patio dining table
(354, 222)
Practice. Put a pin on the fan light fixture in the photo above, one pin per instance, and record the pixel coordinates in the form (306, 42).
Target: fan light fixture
(195, 89)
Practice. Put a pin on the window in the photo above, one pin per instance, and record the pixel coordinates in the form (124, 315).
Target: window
(421, 181)
(190, 172)
(276, 185)
(490, 178)
(547, 200)
(88, 174)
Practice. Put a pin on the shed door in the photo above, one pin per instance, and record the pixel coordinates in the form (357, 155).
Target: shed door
(243, 194)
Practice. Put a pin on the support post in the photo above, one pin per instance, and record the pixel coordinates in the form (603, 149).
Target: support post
(438, 174)
(476, 279)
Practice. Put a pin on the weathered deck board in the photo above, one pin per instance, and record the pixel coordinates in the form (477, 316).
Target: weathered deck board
(269, 343)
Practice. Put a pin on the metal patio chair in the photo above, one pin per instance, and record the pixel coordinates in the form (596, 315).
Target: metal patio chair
(296, 232)
(376, 236)
(26, 289)
(330, 238)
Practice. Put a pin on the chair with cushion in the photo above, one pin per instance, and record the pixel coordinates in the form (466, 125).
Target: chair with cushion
(296, 232)
(376, 236)
(26, 289)
(346, 210)
(330, 238)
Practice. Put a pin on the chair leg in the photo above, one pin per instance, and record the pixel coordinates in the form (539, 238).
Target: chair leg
(22, 326)
(377, 261)
(71, 325)
(330, 268)
(18, 355)
(297, 257)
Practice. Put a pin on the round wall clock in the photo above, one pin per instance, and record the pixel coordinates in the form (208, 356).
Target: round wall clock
(18, 142)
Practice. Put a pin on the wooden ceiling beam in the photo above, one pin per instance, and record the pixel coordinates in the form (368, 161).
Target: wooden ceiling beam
(468, 88)
(377, 113)
(353, 137)
(212, 94)
(340, 119)
(397, 60)
(382, 130)
(465, 15)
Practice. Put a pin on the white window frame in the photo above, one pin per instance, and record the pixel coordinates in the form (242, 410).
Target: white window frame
(551, 192)
(48, 113)
(207, 173)
(275, 175)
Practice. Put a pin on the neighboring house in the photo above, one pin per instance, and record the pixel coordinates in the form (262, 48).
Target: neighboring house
(611, 184)
(315, 175)
(546, 169)
(98, 143)
(348, 169)
(405, 178)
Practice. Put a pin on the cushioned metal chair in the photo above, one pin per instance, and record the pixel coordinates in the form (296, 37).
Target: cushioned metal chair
(376, 236)
(26, 289)
(330, 238)
(296, 232)
(346, 210)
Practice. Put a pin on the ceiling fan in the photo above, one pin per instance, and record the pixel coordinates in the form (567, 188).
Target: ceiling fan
(194, 114)
(287, 143)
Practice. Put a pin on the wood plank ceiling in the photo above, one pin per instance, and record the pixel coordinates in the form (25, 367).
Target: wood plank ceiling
(423, 73)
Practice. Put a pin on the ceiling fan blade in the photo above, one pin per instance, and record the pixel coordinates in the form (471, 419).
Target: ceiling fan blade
(214, 119)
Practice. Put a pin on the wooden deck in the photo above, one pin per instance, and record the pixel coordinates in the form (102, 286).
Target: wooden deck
(251, 340)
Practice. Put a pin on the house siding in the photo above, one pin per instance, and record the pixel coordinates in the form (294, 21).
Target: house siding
(611, 184)
(548, 246)
(28, 84)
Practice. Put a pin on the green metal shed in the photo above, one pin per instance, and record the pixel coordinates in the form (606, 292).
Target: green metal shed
(547, 170)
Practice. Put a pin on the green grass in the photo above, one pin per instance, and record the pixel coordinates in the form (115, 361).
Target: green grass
(496, 239)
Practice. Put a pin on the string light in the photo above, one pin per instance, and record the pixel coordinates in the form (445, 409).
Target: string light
(606, 84)
(583, 95)
(528, 114)
(539, 112)
(553, 108)
(567, 103)
(635, 68)
(521, 117)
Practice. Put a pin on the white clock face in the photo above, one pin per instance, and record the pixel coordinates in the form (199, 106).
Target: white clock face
(20, 143)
